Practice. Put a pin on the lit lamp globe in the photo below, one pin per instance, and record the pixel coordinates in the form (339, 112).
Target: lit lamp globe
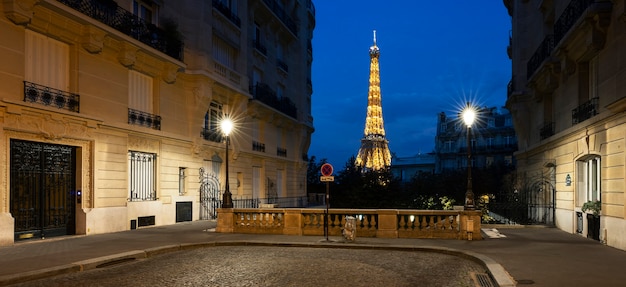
(227, 126)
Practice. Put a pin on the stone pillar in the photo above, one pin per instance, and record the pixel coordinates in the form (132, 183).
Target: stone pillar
(470, 225)
(293, 222)
(387, 223)
(225, 220)
(7, 229)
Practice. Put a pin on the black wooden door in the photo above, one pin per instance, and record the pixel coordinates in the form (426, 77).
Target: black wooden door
(43, 198)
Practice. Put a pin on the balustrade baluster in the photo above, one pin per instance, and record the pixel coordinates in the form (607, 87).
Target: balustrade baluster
(424, 222)
(402, 223)
(432, 222)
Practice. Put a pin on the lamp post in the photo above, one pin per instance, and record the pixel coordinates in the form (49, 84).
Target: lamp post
(469, 115)
(227, 127)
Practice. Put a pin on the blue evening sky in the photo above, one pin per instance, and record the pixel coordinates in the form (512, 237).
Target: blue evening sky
(434, 56)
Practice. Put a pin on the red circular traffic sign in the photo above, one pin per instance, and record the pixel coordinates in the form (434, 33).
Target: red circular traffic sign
(327, 169)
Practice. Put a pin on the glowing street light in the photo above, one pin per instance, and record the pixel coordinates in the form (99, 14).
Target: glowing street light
(227, 127)
(469, 115)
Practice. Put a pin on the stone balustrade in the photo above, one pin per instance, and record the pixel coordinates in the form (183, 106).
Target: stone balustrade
(381, 223)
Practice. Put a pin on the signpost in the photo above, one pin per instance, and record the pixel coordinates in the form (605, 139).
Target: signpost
(327, 176)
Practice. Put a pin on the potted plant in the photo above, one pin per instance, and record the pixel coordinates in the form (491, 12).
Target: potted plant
(593, 218)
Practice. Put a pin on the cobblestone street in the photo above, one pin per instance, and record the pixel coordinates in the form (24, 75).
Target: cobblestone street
(279, 266)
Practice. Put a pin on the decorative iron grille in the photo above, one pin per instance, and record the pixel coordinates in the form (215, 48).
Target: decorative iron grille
(142, 169)
(547, 130)
(136, 117)
(109, 13)
(257, 146)
(585, 111)
(47, 96)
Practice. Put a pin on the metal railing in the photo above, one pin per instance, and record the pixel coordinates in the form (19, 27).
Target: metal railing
(282, 16)
(281, 152)
(266, 95)
(259, 47)
(47, 96)
(140, 118)
(541, 54)
(547, 130)
(585, 111)
(258, 146)
(569, 16)
(219, 6)
(213, 135)
(109, 13)
(282, 65)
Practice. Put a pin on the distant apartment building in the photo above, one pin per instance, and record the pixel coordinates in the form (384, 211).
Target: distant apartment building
(568, 101)
(110, 110)
(405, 168)
(492, 140)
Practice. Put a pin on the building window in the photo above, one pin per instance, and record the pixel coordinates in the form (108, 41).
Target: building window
(145, 10)
(588, 183)
(489, 161)
(442, 128)
(140, 92)
(142, 181)
(224, 53)
(182, 174)
(491, 122)
(212, 119)
(47, 61)
(508, 160)
(490, 142)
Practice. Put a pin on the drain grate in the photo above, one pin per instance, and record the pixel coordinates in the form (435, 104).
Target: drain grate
(482, 280)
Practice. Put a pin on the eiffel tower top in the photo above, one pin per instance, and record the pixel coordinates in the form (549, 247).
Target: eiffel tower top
(374, 49)
(374, 153)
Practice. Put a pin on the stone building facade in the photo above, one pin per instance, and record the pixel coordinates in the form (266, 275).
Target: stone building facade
(110, 110)
(492, 138)
(567, 98)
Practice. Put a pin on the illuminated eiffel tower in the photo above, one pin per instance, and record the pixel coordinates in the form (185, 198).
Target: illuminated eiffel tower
(374, 152)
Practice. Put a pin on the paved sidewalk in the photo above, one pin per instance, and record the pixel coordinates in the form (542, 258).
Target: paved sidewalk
(530, 256)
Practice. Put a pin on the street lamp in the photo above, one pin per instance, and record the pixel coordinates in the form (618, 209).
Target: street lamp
(227, 126)
(469, 115)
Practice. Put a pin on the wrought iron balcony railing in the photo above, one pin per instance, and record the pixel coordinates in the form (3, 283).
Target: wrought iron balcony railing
(310, 6)
(259, 47)
(281, 151)
(263, 93)
(109, 13)
(140, 118)
(47, 96)
(282, 15)
(547, 130)
(282, 65)
(212, 135)
(585, 111)
(541, 54)
(219, 6)
(569, 16)
(258, 146)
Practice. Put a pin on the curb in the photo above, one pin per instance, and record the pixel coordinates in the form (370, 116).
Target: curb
(495, 270)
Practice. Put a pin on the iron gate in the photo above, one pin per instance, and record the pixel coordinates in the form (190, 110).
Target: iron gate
(209, 195)
(534, 204)
(42, 189)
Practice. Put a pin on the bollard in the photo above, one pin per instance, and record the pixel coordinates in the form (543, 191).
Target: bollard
(349, 229)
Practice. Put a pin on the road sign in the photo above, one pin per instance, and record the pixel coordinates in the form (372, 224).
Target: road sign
(327, 178)
(327, 169)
